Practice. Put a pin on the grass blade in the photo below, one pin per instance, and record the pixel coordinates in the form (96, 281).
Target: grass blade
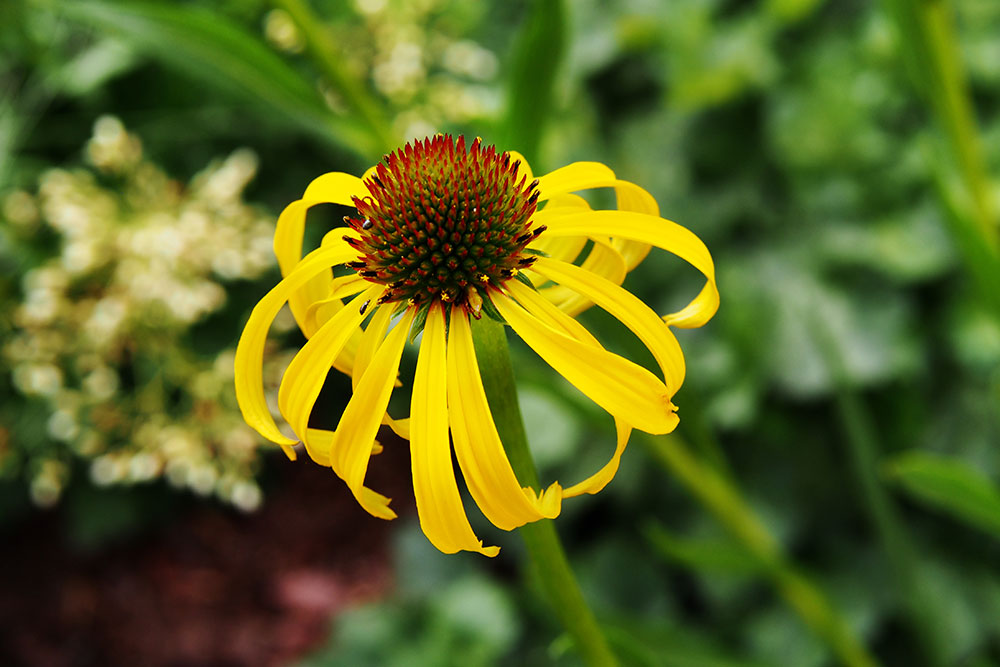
(221, 54)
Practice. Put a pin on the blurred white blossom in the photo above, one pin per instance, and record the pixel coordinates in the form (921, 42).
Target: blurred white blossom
(101, 337)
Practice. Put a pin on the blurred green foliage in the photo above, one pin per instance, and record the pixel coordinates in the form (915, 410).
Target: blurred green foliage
(840, 413)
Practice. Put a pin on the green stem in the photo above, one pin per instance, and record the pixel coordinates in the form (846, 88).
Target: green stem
(325, 56)
(930, 48)
(724, 501)
(546, 551)
(918, 603)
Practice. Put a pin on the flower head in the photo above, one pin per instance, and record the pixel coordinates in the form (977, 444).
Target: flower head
(445, 232)
(443, 223)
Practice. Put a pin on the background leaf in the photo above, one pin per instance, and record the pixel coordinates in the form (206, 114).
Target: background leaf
(951, 486)
(221, 54)
(534, 64)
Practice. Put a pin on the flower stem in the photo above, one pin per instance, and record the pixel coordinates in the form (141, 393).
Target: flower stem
(548, 557)
(724, 501)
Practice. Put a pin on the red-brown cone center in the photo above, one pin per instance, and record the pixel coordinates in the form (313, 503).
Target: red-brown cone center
(444, 222)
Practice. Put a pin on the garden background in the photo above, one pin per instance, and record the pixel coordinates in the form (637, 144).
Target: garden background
(831, 495)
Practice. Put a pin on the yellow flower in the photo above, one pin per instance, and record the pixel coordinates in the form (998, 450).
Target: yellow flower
(446, 232)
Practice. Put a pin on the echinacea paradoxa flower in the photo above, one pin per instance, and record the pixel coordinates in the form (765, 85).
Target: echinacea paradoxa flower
(445, 233)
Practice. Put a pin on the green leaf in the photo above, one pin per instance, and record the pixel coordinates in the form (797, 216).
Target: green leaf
(951, 486)
(701, 555)
(537, 53)
(221, 54)
(640, 641)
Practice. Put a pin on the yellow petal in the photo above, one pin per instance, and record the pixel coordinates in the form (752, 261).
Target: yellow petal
(566, 248)
(629, 309)
(603, 260)
(355, 436)
(400, 427)
(487, 471)
(439, 505)
(600, 479)
(341, 287)
(523, 169)
(659, 232)
(306, 374)
(621, 387)
(332, 188)
(629, 195)
(572, 178)
(633, 198)
(560, 321)
(318, 444)
(370, 341)
(249, 361)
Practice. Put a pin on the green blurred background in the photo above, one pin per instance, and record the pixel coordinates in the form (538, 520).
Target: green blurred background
(834, 480)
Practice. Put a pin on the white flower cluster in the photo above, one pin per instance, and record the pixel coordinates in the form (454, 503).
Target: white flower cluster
(102, 341)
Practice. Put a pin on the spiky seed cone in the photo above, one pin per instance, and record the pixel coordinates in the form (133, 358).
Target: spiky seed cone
(444, 222)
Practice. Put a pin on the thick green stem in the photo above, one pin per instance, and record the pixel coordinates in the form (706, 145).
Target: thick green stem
(548, 557)
(326, 58)
(724, 501)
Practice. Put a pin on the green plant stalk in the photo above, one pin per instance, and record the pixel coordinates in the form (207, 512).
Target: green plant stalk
(548, 557)
(918, 604)
(930, 49)
(724, 501)
(325, 56)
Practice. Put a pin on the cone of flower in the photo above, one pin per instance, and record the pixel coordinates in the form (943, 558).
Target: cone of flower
(445, 233)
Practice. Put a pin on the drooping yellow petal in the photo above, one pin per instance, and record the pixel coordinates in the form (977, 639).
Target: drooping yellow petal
(341, 287)
(633, 198)
(332, 188)
(318, 443)
(618, 385)
(306, 374)
(400, 427)
(629, 195)
(596, 482)
(370, 341)
(439, 505)
(560, 321)
(603, 260)
(352, 443)
(658, 232)
(487, 471)
(249, 361)
(629, 309)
